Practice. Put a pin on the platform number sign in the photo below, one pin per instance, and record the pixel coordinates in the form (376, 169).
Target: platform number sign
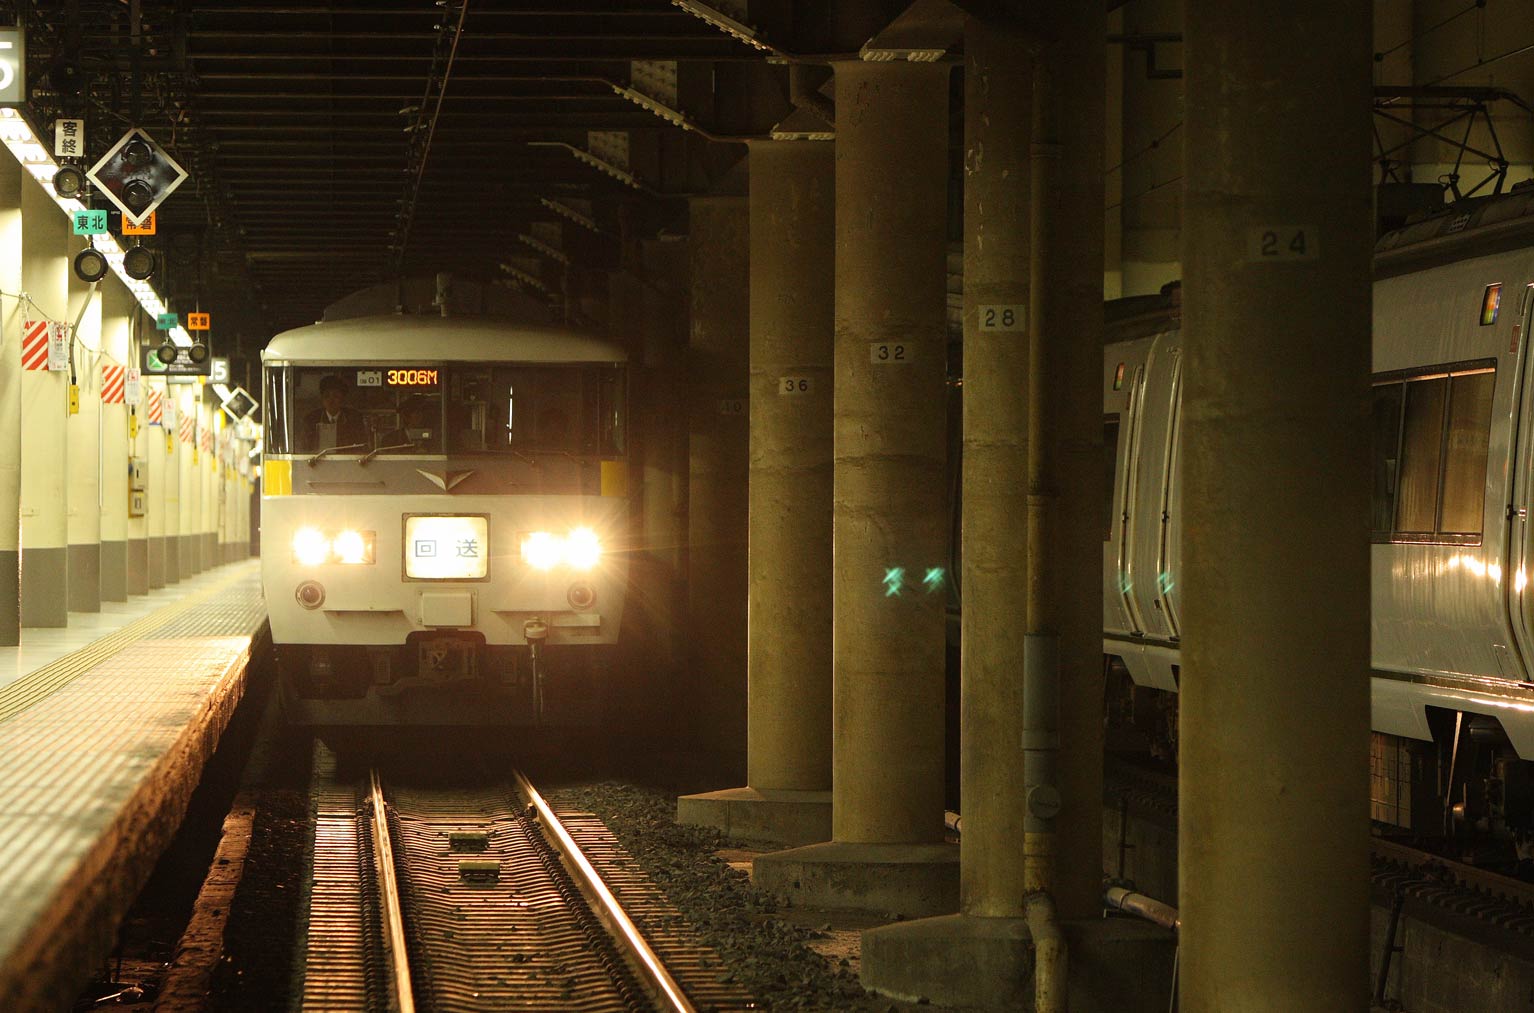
(1272, 243)
(1012, 317)
(884, 352)
(12, 67)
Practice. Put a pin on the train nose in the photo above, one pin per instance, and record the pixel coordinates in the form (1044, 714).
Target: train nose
(310, 594)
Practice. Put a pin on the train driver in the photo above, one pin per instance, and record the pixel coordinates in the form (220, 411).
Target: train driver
(333, 423)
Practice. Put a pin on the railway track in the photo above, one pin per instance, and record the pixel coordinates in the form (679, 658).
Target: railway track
(1472, 895)
(481, 898)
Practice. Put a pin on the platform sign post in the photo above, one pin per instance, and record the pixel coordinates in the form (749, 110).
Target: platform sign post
(220, 371)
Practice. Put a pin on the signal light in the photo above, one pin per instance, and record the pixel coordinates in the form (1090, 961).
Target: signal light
(139, 263)
(69, 182)
(136, 174)
(198, 353)
(90, 265)
(166, 353)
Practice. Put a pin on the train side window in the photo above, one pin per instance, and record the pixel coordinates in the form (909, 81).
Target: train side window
(1464, 475)
(1111, 455)
(1386, 453)
(1431, 430)
(1421, 456)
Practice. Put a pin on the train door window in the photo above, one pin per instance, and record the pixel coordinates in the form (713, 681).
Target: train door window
(1111, 455)
(1469, 430)
(1421, 454)
(1386, 446)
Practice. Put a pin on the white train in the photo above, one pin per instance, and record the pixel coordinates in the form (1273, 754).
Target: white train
(443, 513)
(1453, 473)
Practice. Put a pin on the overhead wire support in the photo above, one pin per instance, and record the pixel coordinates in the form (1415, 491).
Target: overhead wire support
(425, 126)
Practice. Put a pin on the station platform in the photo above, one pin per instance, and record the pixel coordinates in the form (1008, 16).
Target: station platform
(101, 745)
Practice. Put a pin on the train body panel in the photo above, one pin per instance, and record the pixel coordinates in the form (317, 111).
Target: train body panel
(1453, 414)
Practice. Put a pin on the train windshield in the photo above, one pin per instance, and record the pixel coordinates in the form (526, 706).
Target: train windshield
(574, 409)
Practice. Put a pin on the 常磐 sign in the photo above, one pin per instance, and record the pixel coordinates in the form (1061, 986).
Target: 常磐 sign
(143, 228)
(199, 321)
(13, 64)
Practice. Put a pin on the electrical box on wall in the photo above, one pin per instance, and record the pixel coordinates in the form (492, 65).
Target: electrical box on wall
(137, 501)
(138, 474)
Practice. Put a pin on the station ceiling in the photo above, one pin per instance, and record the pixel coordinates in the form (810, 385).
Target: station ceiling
(321, 158)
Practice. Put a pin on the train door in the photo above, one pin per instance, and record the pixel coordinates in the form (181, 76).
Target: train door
(1126, 480)
(1518, 600)
(1146, 576)
(1169, 562)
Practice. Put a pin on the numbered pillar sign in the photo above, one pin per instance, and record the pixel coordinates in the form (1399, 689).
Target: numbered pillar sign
(199, 321)
(792, 385)
(1272, 243)
(884, 352)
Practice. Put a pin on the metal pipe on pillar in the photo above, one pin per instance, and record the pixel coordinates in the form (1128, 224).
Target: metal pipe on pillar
(118, 570)
(83, 427)
(1274, 708)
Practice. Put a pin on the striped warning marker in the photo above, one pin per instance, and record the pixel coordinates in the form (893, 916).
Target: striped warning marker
(188, 427)
(34, 344)
(156, 408)
(112, 379)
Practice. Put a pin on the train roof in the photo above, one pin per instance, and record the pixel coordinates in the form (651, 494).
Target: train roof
(423, 338)
(1466, 228)
(1141, 316)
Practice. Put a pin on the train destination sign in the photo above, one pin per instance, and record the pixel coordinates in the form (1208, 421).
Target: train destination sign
(411, 377)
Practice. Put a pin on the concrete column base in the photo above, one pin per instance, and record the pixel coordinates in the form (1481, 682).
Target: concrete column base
(10, 598)
(114, 571)
(139, 576)
(171, 570)
(905, 880)
(44, 587)
(1118, 964)
(85, 577)
(789, 818)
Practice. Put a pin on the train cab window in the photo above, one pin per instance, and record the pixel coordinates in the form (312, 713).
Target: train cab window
(1430, 433)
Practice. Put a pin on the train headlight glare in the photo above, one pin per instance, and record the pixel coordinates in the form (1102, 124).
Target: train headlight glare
(351, 547)
(310, 546)
(583, 549)
(542, 551)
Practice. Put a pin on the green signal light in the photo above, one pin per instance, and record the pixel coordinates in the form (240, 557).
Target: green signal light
(894, 580)
(934, 579)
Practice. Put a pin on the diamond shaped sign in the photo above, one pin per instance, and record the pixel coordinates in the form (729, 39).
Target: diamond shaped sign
(137, 175)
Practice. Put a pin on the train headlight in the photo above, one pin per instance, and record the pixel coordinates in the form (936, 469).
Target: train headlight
(542, 551)
(583, 549)
(353, 547)
(310, 546)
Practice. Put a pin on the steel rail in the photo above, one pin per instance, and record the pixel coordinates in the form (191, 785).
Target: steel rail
(388, 888)
(1486, 881)
(623, 928)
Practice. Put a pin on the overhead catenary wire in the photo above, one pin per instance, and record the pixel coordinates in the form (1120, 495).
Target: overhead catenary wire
(1429, 30)
(407, 208)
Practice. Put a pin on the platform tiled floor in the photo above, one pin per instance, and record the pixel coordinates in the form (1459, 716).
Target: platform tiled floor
(99, 750)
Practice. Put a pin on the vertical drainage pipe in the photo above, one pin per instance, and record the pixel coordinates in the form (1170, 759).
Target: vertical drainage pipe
(1041, 646)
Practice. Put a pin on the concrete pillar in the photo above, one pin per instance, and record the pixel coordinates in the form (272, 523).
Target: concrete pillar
(117, 568)
(717, 431)
(207, 530)
(172, 488)
(84, 435)
(890, 539)
(989, 935)
(1274, 710)
(189, 490)
(787, 796)
(1152, 157)
(12, 393)
(158, 503)
(45, 495)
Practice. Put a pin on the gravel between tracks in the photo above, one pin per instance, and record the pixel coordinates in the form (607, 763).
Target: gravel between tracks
(768, 955)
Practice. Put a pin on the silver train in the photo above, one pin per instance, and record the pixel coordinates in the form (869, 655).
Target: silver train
(443, 513)
(1453, 477)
